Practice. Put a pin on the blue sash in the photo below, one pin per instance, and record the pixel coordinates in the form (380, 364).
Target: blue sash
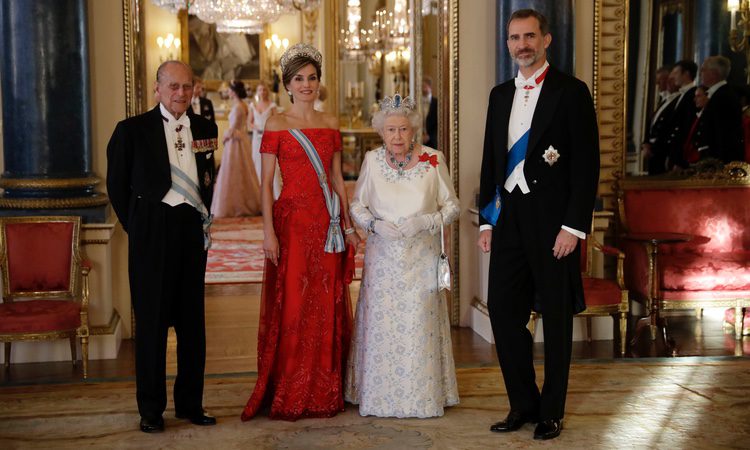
(516, 155)
(183, 185)
(335, 240)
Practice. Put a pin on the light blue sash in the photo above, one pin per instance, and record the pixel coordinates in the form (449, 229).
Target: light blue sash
(335, 240)
(183, 185)
(516, 155)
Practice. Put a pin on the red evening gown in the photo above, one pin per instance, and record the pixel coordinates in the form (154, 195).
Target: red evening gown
(305, 318)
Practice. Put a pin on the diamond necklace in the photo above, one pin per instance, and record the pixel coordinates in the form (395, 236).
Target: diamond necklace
(402, 164)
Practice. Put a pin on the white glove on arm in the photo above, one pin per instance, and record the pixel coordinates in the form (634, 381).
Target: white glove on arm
(387, 230)
(414, 225)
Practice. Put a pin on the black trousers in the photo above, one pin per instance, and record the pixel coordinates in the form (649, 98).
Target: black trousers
(167, 265)
(523, 275)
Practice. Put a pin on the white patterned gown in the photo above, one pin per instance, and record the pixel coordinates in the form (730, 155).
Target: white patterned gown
(401, 361)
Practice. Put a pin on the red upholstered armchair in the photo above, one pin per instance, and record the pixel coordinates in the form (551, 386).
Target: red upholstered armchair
(45, 283)
(604, 297)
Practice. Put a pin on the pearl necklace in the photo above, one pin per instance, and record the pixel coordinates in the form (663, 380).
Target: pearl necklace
(400, 164)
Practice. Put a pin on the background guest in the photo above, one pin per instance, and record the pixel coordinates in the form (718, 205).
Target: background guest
(655, 149)
(260, 110)
(721, 128)
(430, 108)
(200, 105)
(695, 139)
(683, 76)
(237, 190)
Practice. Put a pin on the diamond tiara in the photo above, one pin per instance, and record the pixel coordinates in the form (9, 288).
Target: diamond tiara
(397, 102)
(299, 50)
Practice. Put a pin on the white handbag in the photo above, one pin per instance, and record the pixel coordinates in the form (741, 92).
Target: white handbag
(443, 266)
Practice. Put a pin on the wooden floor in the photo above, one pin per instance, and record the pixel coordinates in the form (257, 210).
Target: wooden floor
(232, 313)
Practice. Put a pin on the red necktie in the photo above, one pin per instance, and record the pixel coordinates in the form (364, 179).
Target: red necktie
(689, 150)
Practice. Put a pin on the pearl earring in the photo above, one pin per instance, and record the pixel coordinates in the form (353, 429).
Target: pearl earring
(289, 93)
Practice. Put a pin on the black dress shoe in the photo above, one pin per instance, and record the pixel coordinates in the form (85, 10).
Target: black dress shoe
(548, 429)
(197, 419)
(152, 425)
(513, 422)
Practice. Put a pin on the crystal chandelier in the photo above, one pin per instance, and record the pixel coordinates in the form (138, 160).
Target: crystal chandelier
(172, 6)
(239, 16)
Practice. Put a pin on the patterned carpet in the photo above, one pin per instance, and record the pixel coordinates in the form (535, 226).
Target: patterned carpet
(236, 254)
(664, 403)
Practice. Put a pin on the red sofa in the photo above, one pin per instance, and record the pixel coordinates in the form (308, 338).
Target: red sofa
(712, 270)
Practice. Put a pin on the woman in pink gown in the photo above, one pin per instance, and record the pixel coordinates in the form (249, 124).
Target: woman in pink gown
(237, 190)
(305, 323)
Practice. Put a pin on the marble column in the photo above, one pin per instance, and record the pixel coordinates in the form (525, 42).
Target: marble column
(44, 69)
(561, 52)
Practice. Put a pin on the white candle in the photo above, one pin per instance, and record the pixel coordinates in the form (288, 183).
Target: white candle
(732, 22)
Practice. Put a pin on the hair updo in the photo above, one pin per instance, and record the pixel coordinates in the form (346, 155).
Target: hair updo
(238, 87)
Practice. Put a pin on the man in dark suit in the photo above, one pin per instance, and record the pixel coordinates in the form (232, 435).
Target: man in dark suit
(430, 135)
(655, 148)
(683, 76)
(160, 178)
(541, 157)
(200, 105)
(721, 120)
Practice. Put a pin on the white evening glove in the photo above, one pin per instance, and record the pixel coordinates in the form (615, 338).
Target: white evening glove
(387, 230)
(414, 225)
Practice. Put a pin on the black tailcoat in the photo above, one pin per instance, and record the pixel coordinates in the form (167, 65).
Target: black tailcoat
(166, 258)
(523, 271)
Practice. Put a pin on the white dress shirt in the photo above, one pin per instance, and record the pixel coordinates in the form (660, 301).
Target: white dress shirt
(184, 159)
(195, 103)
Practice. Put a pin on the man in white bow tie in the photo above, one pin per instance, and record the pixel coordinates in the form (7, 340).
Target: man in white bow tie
(540, 169)
(160, 177)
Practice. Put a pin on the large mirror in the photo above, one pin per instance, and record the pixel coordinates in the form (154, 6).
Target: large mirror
(661, 33)
(396, 46)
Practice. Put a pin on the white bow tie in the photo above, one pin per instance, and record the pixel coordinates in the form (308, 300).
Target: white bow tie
(525, 84)
(173, 123)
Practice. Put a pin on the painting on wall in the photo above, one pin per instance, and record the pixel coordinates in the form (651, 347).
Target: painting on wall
(222, 56)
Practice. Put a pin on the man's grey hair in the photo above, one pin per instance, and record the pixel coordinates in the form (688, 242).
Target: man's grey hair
(163, 67)
(721, 64)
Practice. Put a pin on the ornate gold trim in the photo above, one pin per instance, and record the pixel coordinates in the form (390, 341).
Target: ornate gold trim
(708, 303)
(453, 58)
(110, 328)
(94, 241)
(480, 306)
(133, 44)
(331, 61)
(610, 82)
(97, 199)
(706, 174)
(310, 25)
(48, 183)
(48, 336)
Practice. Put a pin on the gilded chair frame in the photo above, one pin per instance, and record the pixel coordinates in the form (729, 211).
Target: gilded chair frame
(77, 290)
(619, 311)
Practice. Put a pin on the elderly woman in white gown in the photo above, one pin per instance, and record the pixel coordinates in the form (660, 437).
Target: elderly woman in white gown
(401, 362)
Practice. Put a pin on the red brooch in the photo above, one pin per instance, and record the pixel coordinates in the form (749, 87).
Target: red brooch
(431, 158)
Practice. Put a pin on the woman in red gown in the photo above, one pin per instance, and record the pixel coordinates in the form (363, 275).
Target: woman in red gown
(305, 321)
